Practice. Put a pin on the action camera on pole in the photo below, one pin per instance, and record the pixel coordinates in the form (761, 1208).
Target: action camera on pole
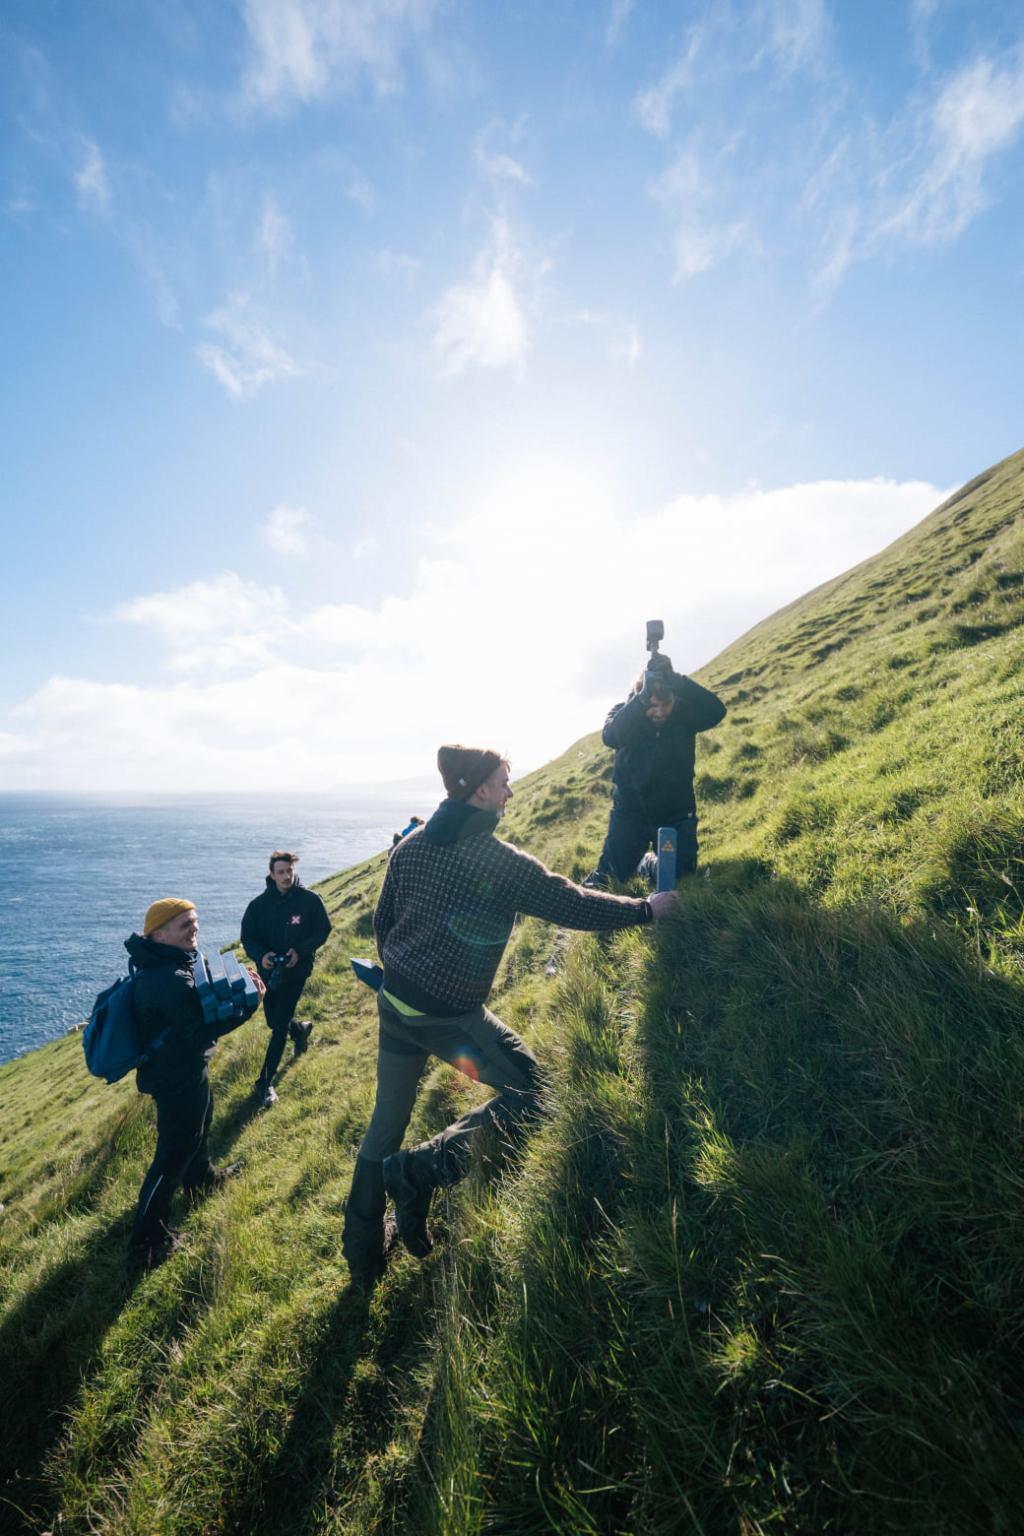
(658, 667)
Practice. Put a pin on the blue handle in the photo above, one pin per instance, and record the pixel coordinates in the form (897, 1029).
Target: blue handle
(668, 845)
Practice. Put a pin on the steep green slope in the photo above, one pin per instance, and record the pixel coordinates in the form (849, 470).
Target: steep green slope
(761, 1270)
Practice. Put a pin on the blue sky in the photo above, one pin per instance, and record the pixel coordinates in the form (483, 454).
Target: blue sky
(375, 368)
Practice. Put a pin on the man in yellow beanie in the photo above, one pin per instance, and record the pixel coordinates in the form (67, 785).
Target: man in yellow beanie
(445, 914)
(171, 1025)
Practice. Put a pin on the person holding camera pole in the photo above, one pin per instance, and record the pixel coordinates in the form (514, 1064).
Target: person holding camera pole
(281, 931)
(444, 916)
(653, 734)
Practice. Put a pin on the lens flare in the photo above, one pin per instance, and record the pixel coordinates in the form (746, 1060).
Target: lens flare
(467, 1066)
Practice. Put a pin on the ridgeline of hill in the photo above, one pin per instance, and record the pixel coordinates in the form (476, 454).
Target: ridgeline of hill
(762, 1270)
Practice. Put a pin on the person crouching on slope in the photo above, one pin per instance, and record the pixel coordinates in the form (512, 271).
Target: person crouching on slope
(445, 914)
(653, 734)
(166, 1003)
(285, 919)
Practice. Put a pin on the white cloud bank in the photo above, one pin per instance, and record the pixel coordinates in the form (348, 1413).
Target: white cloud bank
(522, 625)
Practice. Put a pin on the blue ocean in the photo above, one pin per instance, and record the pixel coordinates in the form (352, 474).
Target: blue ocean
(76, 876)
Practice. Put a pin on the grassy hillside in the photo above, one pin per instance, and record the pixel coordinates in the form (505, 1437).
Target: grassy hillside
(762, 1269)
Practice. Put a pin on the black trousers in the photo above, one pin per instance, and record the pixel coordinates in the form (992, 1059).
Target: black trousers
(184, 1112)
(279, 1010)
(630, 834)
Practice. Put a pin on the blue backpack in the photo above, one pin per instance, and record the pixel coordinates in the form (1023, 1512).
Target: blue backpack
(111, 1037)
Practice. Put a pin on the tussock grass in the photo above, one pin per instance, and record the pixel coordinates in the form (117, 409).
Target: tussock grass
(760, 1268)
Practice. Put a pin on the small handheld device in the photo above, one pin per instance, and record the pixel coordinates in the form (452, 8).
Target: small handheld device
(655, 634)
(277, 971)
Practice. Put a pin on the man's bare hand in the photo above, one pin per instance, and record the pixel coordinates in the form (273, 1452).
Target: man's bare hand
(293, 959)
(268, 960)
(662, 902)
(258, 979)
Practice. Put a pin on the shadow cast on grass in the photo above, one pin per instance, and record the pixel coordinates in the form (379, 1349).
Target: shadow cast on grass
(344, 1414)
(830, 1198)
(48, 1342)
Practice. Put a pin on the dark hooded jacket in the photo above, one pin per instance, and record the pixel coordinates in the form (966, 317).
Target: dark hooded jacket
(450, 897)
(273, 924)
(653, 774)
(165, 998)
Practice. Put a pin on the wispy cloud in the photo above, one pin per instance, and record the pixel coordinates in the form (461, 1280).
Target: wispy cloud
(286, 530)
(482, 323)
(795, 31)
(627, 348)
(249, 357)
(92, 185)
(926, 180)
(617, 19)
(623, 342)
(21, 205)
(496, 165)
(654, 105)
(359, 189)
(397, 264)
(978, 114)
(701, 238)
(274, 236)
(303, 49)
(215, 626)
(730, 41)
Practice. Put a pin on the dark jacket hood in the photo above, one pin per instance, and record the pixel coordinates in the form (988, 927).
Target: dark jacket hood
(296, 885)
(147, 953)
(454, 820)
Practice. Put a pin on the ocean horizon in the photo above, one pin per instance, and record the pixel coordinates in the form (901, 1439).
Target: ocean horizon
(79, 872)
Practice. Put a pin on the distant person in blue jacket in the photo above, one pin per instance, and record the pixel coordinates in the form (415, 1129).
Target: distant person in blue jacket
(653, 734)
(285, 919)
(167, 1004)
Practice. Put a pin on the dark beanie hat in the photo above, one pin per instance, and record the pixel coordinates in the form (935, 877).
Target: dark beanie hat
(464, 769)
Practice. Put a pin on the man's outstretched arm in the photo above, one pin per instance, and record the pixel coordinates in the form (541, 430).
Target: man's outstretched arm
(540, 892)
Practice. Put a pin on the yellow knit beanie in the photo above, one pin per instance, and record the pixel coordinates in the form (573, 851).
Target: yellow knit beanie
(161, 912)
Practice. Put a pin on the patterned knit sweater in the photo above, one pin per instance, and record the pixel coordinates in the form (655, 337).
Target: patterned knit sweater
(449, 900)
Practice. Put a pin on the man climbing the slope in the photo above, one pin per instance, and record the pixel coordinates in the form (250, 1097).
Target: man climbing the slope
(653, 734)
(445, 914)
(285, 919)
(168, 1011)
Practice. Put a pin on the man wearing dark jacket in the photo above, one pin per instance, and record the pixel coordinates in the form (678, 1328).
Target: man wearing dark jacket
(291, 921)
(445, 913)
(653, 734)
(168, 1011)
